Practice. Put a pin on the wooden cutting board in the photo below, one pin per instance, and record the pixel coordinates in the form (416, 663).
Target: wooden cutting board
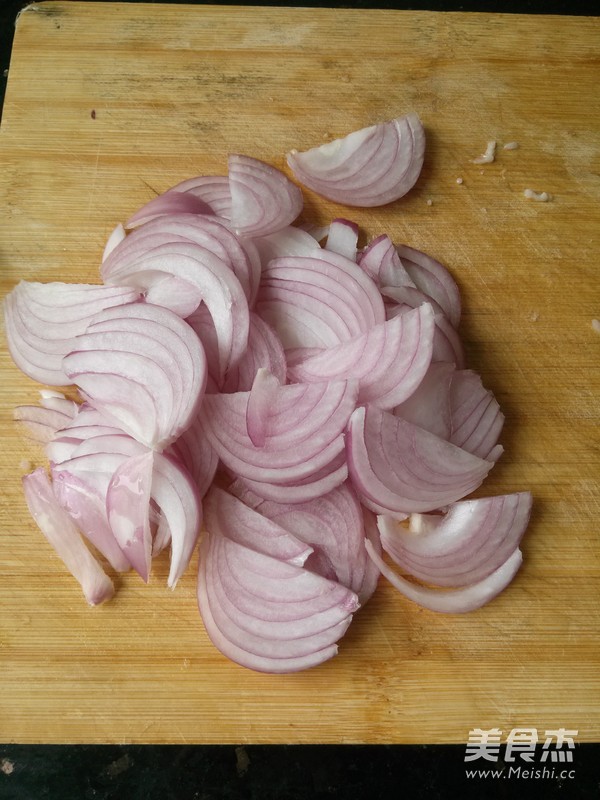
(108, 104)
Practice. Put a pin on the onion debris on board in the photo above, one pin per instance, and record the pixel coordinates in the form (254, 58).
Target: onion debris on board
(302, 398)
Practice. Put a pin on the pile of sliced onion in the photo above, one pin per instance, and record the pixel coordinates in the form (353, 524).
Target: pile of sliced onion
(303, 399)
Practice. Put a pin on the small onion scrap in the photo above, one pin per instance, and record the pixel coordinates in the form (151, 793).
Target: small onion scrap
(302, 399)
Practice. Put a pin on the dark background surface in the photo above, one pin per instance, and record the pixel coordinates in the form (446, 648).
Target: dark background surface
(285, 772)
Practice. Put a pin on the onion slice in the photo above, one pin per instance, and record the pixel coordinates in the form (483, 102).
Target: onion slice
(342, 238)
(433, 279)
(389, 361)
(263, 199)
(369, 167)
(42, 319)
(170, 203)
(467, 544)
(404, 468)
(212, 190)
(59, 529)
(458, 601)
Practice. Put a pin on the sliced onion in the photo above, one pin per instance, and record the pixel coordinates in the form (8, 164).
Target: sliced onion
(261, 403)
(264, 351)
(318, 301)
(467, 544)
(263, 199)
(170, 203)
(228, 516)
(305, 431)
(127, 503)
(405, 468)
(42, 319)
(115, 238)
(458, 601)
(433, 279)
(41, 423)
(381, 261)
(389, 361)
(288, 241)
(342, 238)
(267, 614)
(369, 167)
(212, 189)
(60, 531)
(195, 452)
(143, 368)
(429, 405)
(334, 527)
(476, 417)
(213, 282)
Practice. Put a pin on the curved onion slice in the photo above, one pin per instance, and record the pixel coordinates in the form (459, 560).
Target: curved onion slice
(289, 241)
(433, 279)
(404, 468)
(212, 189)
(264, 351)
(447, 344)
(263, 199)
(261, 399)
(59, 529)
(469, 542)
(389, 361)
(228, 516)
(318, 301)
(170, 203)
(369, 167)
(42, 319)
(197, 455)
(304, 431)
(43, 422)
(457, 601)
(116, 237)
(334, 527)
(210, 278)
(381, 261)
(476, 417)
(144, 368)
(207, 232)
(429, 405)
(267, 614)
(342, 238)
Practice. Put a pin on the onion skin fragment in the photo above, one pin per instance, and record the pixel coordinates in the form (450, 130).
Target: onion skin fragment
(59, 529)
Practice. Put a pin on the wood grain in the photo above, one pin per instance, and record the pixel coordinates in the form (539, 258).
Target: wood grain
(174, 89)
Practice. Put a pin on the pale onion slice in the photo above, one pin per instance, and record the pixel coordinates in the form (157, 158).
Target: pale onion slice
(170, 203)
(463, 546)
(266, 614)
(289, 241)
(429, 405)
(149, 384)
(226, 515)
(212, 189)
(342, 238)
(323, 481)
(476, 417)
(433, 279)
(305, 431)
(369, 167)
(318, 301)
(389, 361)
(262, 397)
(447, 344)
(42, 422)
(402, 467)
(213, 282)
(127, 504)
(264, 351)
(56, 401)
(381, 261)
(42, 319)
(209, 232)
(116, 237)
(59, 529)
(263, 199)
(334, 527)
(87, 506)
(197, 455)
(456, 601)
